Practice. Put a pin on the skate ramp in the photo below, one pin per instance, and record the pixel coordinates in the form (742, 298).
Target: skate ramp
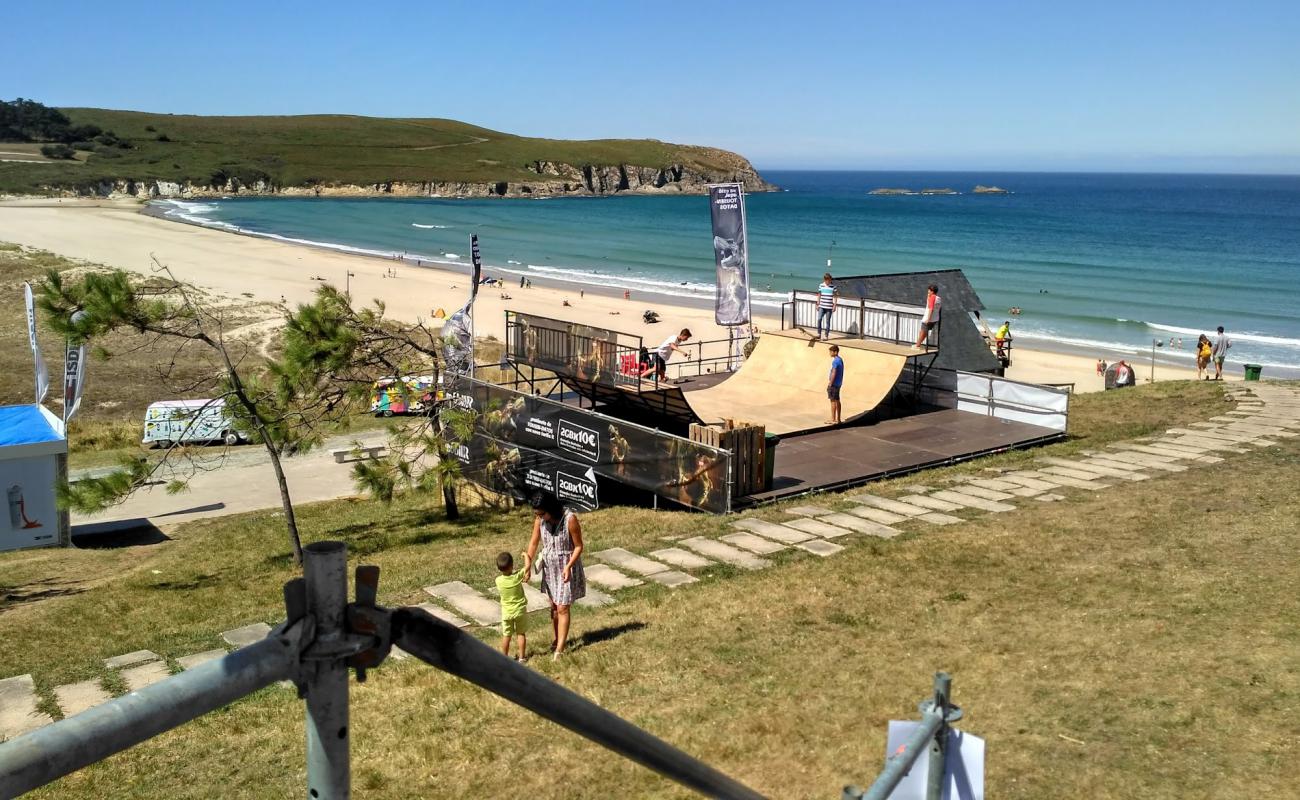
(782, 385)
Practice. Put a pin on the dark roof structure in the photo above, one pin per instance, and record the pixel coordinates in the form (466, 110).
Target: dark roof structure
(961, 345)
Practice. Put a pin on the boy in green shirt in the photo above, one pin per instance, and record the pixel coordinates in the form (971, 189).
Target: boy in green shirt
(514, 605)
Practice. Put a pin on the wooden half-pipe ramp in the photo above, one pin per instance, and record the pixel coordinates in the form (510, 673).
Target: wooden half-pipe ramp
(782, 385)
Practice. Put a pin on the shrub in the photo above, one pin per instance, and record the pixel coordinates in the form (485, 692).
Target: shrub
(162, 137)
(57, 151)
(150, 128)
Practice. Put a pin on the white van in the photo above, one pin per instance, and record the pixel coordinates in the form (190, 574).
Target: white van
(188, 422)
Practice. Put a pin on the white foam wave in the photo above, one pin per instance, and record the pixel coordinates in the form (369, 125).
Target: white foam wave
(427, 227)
(1092, 344)
(1258, 338)
(450, 255)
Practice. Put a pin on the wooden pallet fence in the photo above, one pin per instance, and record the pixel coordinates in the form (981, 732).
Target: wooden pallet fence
(748, 447)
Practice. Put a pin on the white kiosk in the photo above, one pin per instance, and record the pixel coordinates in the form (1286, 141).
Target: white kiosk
(33, 461)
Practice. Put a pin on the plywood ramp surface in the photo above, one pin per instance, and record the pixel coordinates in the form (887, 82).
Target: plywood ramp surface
(782, 385)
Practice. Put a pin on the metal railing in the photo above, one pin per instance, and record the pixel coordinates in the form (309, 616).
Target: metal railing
(860, 317)
(321, 638)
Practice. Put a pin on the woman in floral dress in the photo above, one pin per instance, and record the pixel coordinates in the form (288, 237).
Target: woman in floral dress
(557, 530)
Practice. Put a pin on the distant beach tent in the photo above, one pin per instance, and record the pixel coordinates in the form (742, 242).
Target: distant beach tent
(33, 459)
(439, 314)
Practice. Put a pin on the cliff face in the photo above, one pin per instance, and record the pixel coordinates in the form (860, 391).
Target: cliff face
(553, 180)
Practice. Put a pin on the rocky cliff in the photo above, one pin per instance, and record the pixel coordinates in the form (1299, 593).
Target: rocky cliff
(552, 180)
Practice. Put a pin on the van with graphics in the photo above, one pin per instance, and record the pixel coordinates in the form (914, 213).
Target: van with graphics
(170, 422)
(409, 394)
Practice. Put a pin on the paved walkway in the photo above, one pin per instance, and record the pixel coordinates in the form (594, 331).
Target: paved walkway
(1264, 414)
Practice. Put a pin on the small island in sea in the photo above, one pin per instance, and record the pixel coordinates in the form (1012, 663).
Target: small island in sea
(989, 190)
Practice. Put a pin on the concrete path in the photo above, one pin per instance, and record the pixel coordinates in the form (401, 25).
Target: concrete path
(719, 551)
(466, 600)
(18, 713)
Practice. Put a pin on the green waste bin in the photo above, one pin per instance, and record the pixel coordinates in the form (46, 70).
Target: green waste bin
(770, 441)
(1253, 371)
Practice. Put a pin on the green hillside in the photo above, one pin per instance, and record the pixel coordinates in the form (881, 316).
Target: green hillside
(331, 149)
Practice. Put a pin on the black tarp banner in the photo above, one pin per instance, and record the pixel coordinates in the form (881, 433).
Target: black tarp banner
(458, 330)
(525, 442)
(730, 253)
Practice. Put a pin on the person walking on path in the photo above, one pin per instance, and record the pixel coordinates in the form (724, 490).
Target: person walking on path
(558, 532)
(514, 605)
(1220, 352)
(660, 355)
(1203, 351)
(826, 294)
(933, 306)
(834, 381)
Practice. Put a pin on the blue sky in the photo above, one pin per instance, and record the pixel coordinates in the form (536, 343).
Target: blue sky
(875, 84)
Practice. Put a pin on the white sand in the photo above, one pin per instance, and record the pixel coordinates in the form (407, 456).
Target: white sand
(114, 233)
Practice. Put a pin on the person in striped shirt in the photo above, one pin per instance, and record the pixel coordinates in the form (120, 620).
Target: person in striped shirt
(933, 305)
(826, 294)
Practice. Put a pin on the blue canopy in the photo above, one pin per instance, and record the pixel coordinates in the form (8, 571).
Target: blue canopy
(25, 425)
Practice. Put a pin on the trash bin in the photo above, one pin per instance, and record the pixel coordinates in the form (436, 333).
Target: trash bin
(770, 441)
(1253, 371)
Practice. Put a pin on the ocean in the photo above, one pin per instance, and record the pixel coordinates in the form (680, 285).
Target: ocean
(1101, 263)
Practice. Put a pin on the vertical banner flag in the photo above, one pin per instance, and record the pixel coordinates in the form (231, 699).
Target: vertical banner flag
(74, 375)
(42, 373)
(731, 253)
(458, 331)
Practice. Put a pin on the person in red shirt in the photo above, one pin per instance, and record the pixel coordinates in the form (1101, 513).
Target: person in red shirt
(933, 305)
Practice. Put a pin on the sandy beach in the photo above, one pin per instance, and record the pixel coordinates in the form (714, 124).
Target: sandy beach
(116, 234)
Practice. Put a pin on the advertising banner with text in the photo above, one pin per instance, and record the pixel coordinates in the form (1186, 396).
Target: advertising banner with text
(731, 254)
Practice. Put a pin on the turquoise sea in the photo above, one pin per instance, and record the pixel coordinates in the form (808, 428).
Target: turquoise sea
(1096, 262)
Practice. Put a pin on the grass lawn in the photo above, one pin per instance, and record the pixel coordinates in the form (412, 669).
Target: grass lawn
(1138, 642)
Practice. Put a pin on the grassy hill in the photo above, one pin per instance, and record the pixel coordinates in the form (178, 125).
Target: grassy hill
(329, 150)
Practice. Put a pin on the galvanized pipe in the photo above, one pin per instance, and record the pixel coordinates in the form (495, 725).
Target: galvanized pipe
(329, 773)
(47, 754)
(939, 744)
(898, 764)
(447, 648)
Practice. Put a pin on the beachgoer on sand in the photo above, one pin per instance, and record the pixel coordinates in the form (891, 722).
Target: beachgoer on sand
(557, 531)
(834, 382)
(1101, 366)
(1221, 345)
(514, 605)
(1203, 351)
(660, 355)
(933, 307)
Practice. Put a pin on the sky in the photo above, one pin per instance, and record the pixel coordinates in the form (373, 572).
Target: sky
(1154, 86)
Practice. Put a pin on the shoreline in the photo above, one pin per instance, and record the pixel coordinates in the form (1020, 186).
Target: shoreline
(125, 234)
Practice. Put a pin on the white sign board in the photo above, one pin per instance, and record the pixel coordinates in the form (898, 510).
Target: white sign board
(31, 518)
(965, 765)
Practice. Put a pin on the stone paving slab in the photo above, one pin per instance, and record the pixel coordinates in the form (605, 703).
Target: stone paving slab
(1082, 476)
(609, 578)
(1142, 460)
(974, 502)
(1031, 483)
(1126, 469)
(1163, 450)
(779, 533)
(1066, 480)
(594, 598)
(721, 551)
(672, 578)
(854, 523)
(147, 674)
(808, 511)
(994, 484)
(131, 659)
(193, 660)
(682, 558)
(935, 518)
(75, 698)
(1209, 459)
(1050, 498)
(1025, 491)
(816, 527)
(1208, 444)
(466, 600)
(934, 502)
(1082, 467)
(446, 616)
(751, 542)
(878, 515)
(536, 598)
(892, 506)
(820, 547)
(18, 713)
(980, 491)
(627, 560)
(1227, 438)
(248, 634)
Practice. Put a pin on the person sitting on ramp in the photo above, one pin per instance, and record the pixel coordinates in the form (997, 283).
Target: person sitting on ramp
(660, 355)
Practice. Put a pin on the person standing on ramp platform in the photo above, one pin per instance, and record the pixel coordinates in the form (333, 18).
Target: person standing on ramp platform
(933, 305)
(833, 383)
(826, 294)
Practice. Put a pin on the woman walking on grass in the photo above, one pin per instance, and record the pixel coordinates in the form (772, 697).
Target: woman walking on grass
(557, 530)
